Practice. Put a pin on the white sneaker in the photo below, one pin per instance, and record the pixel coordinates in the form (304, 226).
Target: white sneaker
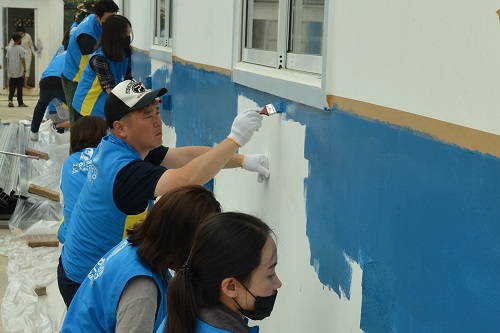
(34, 136)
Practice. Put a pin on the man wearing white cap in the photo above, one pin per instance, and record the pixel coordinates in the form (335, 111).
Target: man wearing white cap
(131, 168)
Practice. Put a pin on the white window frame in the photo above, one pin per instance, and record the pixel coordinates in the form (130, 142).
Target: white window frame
(167, 40)
(296, 77)
(279, 58)
(161, 48)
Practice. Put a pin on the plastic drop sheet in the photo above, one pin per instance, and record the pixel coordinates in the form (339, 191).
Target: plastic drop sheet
(28, 268)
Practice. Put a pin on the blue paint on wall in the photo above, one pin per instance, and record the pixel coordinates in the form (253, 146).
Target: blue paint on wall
(420, 217)
(141, 65)
(425, 210)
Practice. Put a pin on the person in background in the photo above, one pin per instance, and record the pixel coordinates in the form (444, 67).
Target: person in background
(50, 87)
(109, 65)
(81, 44)
(16, 69)
(85, 136)
(132, 168)
(229, 276)
(29, 51)
(126, 290)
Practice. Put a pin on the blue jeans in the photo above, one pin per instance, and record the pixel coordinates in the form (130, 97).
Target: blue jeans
(46, 96)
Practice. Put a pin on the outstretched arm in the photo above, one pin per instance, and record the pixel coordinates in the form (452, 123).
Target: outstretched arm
(199, 170)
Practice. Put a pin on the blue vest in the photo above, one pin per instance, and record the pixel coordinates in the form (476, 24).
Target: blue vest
(94, 306)
(202, 327)
(75, 61)
(55, 66)
(73, 175)
(96, 224)
(89, 97)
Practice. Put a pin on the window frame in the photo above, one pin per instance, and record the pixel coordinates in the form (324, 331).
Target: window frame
(167, 40)
(304, 87)
(281, 58)
(161, 51)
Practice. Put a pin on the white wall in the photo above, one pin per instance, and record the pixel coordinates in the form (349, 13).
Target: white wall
(207, 36)
(433, 58)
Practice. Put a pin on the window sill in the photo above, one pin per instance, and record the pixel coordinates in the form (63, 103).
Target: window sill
(163, 53)
(304, 88)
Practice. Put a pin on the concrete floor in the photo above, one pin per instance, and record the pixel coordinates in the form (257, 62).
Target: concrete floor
(3, 271)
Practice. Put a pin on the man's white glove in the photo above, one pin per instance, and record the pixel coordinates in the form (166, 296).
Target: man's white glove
(244, 125)
(257, 163)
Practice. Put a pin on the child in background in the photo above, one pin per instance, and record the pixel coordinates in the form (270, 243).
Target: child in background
(16, 69)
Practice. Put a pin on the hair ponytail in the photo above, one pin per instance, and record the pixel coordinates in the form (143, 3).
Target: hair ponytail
(181, 302)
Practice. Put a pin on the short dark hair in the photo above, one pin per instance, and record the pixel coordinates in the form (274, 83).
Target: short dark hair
(16, 36)
(111, 38)
(225, 245)
(105, 6)
(165, 237)
(20, 29)
(87, 132)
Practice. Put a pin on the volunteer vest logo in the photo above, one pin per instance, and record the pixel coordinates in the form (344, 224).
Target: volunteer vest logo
(85, 161)
(98, 269)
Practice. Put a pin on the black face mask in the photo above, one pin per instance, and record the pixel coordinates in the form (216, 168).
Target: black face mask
(262, 308)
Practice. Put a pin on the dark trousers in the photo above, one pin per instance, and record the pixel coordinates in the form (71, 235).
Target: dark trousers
(69, 88)
(67, 287)
(46, 96)
(16, 82)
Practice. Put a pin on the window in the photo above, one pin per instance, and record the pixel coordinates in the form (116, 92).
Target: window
(284, 34)
(163, 23)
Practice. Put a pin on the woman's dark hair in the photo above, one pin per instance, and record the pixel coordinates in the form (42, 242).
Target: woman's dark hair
(165, 237)
(225, 245)
(65, 40)
(105, 6)
(112, 38)
(87, 132)
(20, 29)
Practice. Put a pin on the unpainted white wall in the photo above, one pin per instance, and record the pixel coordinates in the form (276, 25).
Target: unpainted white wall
(433, 58)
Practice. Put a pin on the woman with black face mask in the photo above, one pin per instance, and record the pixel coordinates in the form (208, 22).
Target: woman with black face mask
(109, 65)
(229, 276)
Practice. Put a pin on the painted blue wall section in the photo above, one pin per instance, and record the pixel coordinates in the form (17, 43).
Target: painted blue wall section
(424, 211)
(141, 65)
(422, 218)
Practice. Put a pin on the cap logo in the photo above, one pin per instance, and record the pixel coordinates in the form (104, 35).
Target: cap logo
(135, 87)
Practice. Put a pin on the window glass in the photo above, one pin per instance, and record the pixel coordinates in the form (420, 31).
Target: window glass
(262, 25)
(306, 28)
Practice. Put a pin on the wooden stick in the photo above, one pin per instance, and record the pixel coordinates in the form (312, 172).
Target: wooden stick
(20, 155)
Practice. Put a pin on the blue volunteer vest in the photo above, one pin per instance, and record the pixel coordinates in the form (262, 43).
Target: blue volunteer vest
(55, 66)
(89, 97)
(75, 62)
(93, 308)
(202, 327)
(96, 224)
(73, 175)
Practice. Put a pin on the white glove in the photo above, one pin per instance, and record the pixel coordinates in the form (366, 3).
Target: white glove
(244, 125)
(257, 163)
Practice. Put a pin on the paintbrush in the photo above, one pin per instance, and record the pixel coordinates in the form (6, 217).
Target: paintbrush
(272, 109)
